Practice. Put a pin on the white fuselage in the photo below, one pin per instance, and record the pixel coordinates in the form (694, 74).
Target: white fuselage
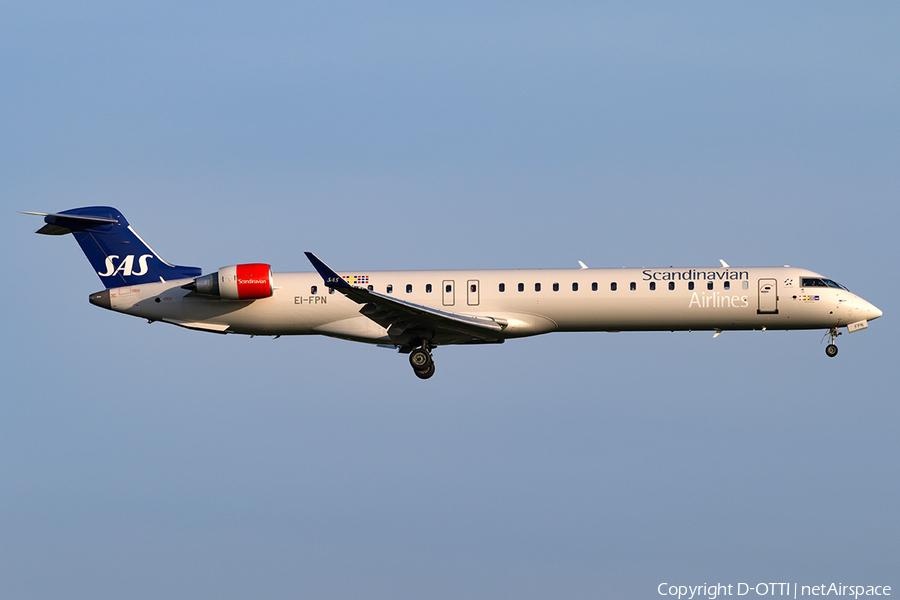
(530, 301)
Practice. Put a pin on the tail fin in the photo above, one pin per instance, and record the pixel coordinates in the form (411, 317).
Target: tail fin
(118, 254)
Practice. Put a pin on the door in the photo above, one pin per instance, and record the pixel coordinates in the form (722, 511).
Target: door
(449, 294)
(472, 287)
(768, 297)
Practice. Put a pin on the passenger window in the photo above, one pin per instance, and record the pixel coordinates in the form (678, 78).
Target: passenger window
(371, 288)
(652, 285)
(745, 285)
(313, 290)
(390, 289)
(727, 285)
(502, 287)
(537, 287)
(690, 285)
(613, 286)
(709, 285)
(472, 288)
(555, 287)
(427, 288)
(633, 286)
(449, 288)
(330, 290)
(574, 287)
(521, 287)
(594, 287)
(408, 288)
(671, 285)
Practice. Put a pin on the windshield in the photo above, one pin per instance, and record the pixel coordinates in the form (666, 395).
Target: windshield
(821, 282)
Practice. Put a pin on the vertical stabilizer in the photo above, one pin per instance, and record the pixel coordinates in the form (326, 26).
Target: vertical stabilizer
(118, 254)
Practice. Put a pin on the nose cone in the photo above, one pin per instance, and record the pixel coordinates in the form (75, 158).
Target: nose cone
(874, 312)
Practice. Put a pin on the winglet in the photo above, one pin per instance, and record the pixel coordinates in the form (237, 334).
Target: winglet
(583, 266)
(724, 264)
(331, 278)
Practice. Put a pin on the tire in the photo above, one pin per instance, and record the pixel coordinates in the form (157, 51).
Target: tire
(420, 359)
(831, 350)
(425, 373)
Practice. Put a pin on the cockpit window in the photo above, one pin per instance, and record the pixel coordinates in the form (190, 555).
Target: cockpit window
(821, 282)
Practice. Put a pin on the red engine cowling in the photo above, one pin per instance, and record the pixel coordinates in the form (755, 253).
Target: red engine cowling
(237, 282)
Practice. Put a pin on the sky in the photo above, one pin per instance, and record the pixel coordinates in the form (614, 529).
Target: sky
(146, 461)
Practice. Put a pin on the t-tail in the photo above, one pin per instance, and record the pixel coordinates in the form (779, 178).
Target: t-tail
(118, 254)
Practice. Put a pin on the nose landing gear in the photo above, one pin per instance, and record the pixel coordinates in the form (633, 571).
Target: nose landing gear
(831, 350)
(421, 362)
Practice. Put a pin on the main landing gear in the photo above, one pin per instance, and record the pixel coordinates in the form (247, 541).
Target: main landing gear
(421, 362)
(831, 350)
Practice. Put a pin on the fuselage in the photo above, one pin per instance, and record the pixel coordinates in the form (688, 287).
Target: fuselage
(530, 301)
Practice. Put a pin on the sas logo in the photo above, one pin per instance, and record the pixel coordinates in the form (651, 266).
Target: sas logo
(126, 267)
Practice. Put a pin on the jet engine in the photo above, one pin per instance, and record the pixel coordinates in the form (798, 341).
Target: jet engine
(237, 282)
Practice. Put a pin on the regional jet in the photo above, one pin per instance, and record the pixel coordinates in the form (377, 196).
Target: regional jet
(416, 311)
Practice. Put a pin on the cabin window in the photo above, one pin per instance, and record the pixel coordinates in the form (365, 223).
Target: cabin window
(727, 285)
(537, 287)
(690, 285)
(390, 289)
(594, 287)
(473, 288)
(574, 286)
(671, 285)
(633, 286)
(613, 286)
(427, 288)
(745, 285)
(408, 288)
(555, 287)
(313, 290)
(449, 288)
(330, 290)
(709, 285)
(652, 285)
(371, 288)
(502, 287)
(521, 287)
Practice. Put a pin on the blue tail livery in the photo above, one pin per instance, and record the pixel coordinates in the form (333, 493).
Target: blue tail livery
(118, 254)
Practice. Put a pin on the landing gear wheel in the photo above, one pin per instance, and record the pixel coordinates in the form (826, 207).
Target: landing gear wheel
(425, 373)
(831, 350)
(420, 359)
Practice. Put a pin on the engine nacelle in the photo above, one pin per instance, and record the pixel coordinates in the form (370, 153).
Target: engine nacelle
(237, 282)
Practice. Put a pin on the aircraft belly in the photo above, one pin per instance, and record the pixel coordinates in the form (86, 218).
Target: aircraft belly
(285, 313)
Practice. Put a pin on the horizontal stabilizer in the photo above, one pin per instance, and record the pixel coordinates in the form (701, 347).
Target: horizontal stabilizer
(61, 224)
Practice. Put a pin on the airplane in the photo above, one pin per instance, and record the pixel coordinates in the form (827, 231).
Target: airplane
(416, 311)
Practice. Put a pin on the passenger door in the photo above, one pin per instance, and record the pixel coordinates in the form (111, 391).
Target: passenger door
(449, 293)
(472, 292)
(768, 297)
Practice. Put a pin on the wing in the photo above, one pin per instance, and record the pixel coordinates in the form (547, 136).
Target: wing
(410, 324)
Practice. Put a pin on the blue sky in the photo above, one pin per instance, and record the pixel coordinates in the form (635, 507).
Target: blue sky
(144, 461)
